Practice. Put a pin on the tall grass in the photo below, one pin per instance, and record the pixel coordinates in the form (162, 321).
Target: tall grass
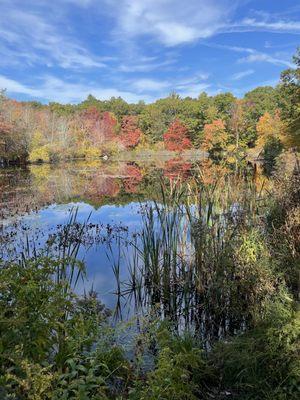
(186, 259)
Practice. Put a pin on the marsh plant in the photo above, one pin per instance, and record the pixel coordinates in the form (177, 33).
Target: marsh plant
(201, 258)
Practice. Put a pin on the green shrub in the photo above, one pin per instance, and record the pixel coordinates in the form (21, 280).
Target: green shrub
(179, 373)
(263, 363)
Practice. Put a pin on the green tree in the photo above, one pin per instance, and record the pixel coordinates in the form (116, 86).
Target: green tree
(290, 99)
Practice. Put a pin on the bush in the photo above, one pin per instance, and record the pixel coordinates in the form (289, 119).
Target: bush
(180, 371)
(263, 363)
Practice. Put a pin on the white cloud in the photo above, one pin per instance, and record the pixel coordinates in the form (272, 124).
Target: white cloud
(13, 86)
(242, 74)
(262, 57)
(141, 65)
(254, 55)
(191, 86)
(150, 85)
(51, 88)
(170, 21)
(276, 26)
(46, 40)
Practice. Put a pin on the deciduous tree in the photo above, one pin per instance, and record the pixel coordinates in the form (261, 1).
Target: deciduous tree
(176, 138)
(215, 139)
(130, 134)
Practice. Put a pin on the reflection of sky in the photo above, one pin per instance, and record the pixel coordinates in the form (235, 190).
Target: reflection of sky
(100, 275)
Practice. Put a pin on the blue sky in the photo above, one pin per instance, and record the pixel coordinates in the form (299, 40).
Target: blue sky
(62, 50)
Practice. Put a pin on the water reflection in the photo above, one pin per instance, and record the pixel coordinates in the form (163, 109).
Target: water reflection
(36, 202)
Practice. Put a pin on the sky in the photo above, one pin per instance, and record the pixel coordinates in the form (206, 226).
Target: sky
(64, 50)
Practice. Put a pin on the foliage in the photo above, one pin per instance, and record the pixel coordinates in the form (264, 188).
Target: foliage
(94, 124)
(263, 363)
(179, 371)
(176, 137)
(269, 128)
(290, 100)
(215, 138)
(270, 139)
(284, 227)
(130, 133)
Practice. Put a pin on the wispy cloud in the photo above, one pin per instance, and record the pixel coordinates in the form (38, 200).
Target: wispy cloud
(262, 57)
(190, 86)
(15, 87)
(243, 74)
(272, 26)
(253, 55)
(65, 49)
(50, 88)
(150, 85)
(172, 24)
(38, 34)
(169, 21)
(145, 65)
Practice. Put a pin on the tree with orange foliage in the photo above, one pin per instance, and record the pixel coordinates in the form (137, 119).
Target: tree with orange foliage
(215, 139)
(130, 132)
(176, 138)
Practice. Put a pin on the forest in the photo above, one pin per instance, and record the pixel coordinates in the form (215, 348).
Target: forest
(262, 123)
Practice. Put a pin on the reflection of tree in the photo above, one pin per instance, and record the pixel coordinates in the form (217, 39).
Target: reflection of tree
(23, 190)
(133, 177)
(176, 168)
(97, 183)
(100, 185)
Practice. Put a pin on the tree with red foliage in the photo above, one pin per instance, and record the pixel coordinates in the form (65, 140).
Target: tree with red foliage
(176, 137)
(101, 127)
(130, 132)
(176, 168)
(109, 125)
(132, 177)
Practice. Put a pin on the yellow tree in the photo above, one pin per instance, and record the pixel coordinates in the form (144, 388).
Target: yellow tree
(270, 139)
(269, 128)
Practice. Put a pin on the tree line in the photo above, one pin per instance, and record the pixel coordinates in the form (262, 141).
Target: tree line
(265, 120)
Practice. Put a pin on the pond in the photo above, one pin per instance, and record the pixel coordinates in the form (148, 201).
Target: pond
(36, 202)
(110, 199)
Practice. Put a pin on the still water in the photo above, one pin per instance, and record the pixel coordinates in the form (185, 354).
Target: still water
(36, 202)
